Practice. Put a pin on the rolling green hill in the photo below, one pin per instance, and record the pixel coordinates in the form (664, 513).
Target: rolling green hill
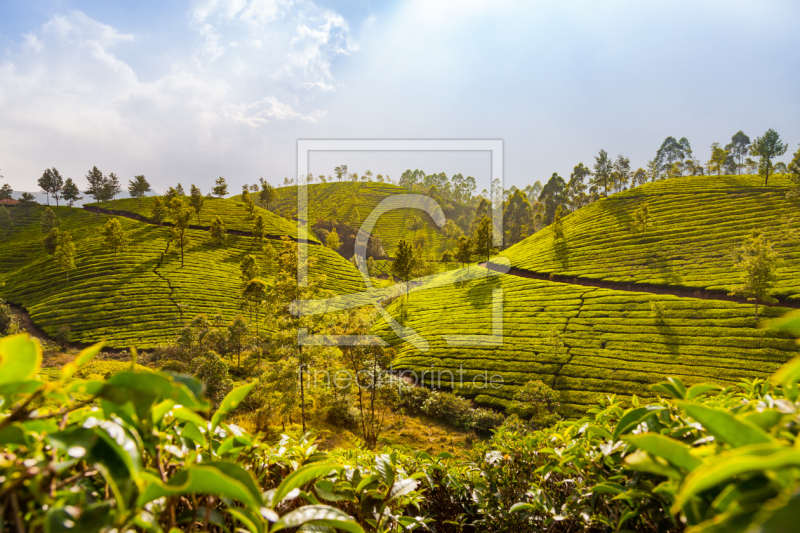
(232, 213)
(697, 221)
(352, 203)
(614, 342)
(149, 297)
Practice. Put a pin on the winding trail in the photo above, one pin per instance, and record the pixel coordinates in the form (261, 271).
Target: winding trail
(681, 292)
(140, 218)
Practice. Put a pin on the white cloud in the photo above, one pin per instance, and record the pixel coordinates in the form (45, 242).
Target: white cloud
(68, 99)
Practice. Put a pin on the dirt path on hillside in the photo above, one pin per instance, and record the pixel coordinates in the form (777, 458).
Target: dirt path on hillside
(140, 218)
(682, 292)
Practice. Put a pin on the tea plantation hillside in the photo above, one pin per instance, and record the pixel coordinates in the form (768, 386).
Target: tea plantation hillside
(352, 202)
(232, 213)
(583, 341)
(696, 222)
(149, 297)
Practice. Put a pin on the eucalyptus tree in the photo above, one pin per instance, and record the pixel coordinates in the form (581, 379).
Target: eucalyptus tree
(138, 188)
(767, 147)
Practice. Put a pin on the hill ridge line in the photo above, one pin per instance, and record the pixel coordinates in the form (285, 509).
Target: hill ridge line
(680, 292)
(140, 218)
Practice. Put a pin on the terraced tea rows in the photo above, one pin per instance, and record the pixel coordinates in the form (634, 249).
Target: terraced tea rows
(353, 202)
(696, 222)
(613, 341)
(149, 297)
(232, 213)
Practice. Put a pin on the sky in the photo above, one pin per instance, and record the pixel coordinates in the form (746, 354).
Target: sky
(189, 91)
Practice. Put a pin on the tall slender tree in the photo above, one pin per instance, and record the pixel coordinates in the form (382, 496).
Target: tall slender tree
(756, 259)
(114, 237)
(739, 148)
(64, 253)
(71, 193)
(767, 147)
(218, 230)
(197, 201)
(220, 189)
(603, 167)
(158, 211)
(6, 193)
(98, 187)
(403, 264)
(51, 184)
(138, 188)
(6, 222)
(180, 230)
(267, 195)
(483, 240)
(113, 185)
(794, 175)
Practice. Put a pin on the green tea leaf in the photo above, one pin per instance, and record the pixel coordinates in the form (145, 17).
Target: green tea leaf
(633, 418)
(321, 515)
(20, 358)
(301, 476)
(725, 427)
(233, 399)
(750, 460)
(672, 450)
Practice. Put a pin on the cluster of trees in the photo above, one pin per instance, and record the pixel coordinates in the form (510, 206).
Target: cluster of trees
(528, 210)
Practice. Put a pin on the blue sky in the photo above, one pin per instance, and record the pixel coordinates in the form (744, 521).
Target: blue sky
(188, 91)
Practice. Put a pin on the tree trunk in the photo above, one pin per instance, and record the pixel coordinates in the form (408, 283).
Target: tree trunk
(302, 393)
(756, 311)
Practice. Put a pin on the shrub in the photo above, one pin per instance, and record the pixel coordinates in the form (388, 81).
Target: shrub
(152, 457)
(7, 323)
(62, 336)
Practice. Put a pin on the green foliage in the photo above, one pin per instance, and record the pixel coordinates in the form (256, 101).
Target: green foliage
(756, 259)
(768, 147)
(613, 342)
(794, 176)
(333, 240)
(218, 230)
(7, 323)
(71, 193)
(404, 262)
(64, 254)
(138, 188)
(179, 231)
(483, 240)
(220, 189)
(641, 220)
(145, 301)
(197, 201)
(6, 222)
(50, 240)
(49, 221)
(267, 195)
(537, 401)
(158, 211)
(148, 458)
(350, 203)
(259, 229)
(114, 238)
(694, 224)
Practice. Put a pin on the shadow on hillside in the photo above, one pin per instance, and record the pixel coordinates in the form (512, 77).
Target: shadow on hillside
(479, 291)
(662, 263)
(561, 251)
(670, 338)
